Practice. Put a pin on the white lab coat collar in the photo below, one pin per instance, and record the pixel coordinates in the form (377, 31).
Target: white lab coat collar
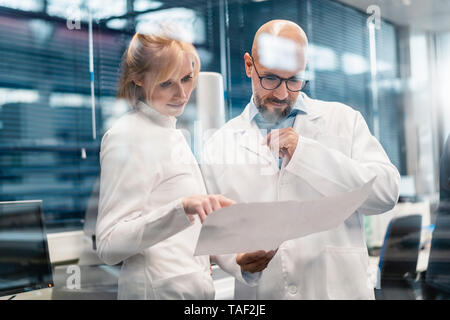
(246, 127)
(155, 116)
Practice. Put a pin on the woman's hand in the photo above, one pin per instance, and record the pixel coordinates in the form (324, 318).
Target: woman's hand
(202, 205)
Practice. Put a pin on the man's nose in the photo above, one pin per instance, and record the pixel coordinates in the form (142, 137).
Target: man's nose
(281, 92)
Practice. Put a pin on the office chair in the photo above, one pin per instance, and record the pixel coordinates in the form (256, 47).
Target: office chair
(437, 284)
(398, 259)
(437, 280)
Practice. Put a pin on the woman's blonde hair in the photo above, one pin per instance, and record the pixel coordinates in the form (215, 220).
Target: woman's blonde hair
(159, 55)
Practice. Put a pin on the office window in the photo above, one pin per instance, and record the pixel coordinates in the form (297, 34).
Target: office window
(47, 147)
(339, 60)
(47, 151)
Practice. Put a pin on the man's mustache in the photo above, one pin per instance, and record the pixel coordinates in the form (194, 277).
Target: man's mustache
(277, 100)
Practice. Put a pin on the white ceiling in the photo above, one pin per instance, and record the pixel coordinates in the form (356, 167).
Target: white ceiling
(431, 15)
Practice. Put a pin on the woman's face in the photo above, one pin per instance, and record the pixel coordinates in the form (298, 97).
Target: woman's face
(170, 97)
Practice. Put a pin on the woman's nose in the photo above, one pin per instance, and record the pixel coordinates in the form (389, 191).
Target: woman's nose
(181, 91)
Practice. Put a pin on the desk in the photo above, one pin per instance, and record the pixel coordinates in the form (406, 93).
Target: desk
(43, 294)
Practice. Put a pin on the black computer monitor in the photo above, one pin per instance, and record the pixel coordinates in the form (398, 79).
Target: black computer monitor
(24, 258)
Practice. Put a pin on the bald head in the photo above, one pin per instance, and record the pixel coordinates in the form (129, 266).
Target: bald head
(279, 51)
(283, 29)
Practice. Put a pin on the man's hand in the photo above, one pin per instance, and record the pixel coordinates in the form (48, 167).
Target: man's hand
(255, 261)
(282, 141)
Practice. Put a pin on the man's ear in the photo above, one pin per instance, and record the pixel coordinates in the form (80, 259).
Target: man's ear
(248, 65)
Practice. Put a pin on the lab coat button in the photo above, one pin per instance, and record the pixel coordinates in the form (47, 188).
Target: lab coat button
(292, 289)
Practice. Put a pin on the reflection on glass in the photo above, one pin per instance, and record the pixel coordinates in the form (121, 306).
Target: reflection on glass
(46, 145)
(190, 24)
(26, 5)
(80, 8)
(141, 5)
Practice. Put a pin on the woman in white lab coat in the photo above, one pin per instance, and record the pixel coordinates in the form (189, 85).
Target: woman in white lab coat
(152, 196)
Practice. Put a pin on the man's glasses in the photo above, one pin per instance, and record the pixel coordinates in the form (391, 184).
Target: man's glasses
(272, 82)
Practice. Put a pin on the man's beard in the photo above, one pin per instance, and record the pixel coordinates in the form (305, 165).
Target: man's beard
(277, 114)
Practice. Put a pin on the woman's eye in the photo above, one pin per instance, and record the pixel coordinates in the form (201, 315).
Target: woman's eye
(165, 84)
(186, 79)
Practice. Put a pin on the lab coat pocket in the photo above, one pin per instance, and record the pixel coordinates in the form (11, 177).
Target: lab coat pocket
(347, 273)
(191, 286)
(341, 144)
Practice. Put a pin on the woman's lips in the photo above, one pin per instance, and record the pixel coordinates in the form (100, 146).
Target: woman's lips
(176, 105)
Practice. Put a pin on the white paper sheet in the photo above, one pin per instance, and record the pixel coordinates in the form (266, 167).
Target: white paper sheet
(247, 227)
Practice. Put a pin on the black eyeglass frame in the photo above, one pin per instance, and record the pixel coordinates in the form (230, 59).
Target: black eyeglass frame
(305, 82)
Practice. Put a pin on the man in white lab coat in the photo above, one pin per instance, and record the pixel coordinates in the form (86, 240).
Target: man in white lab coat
(287, 146)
